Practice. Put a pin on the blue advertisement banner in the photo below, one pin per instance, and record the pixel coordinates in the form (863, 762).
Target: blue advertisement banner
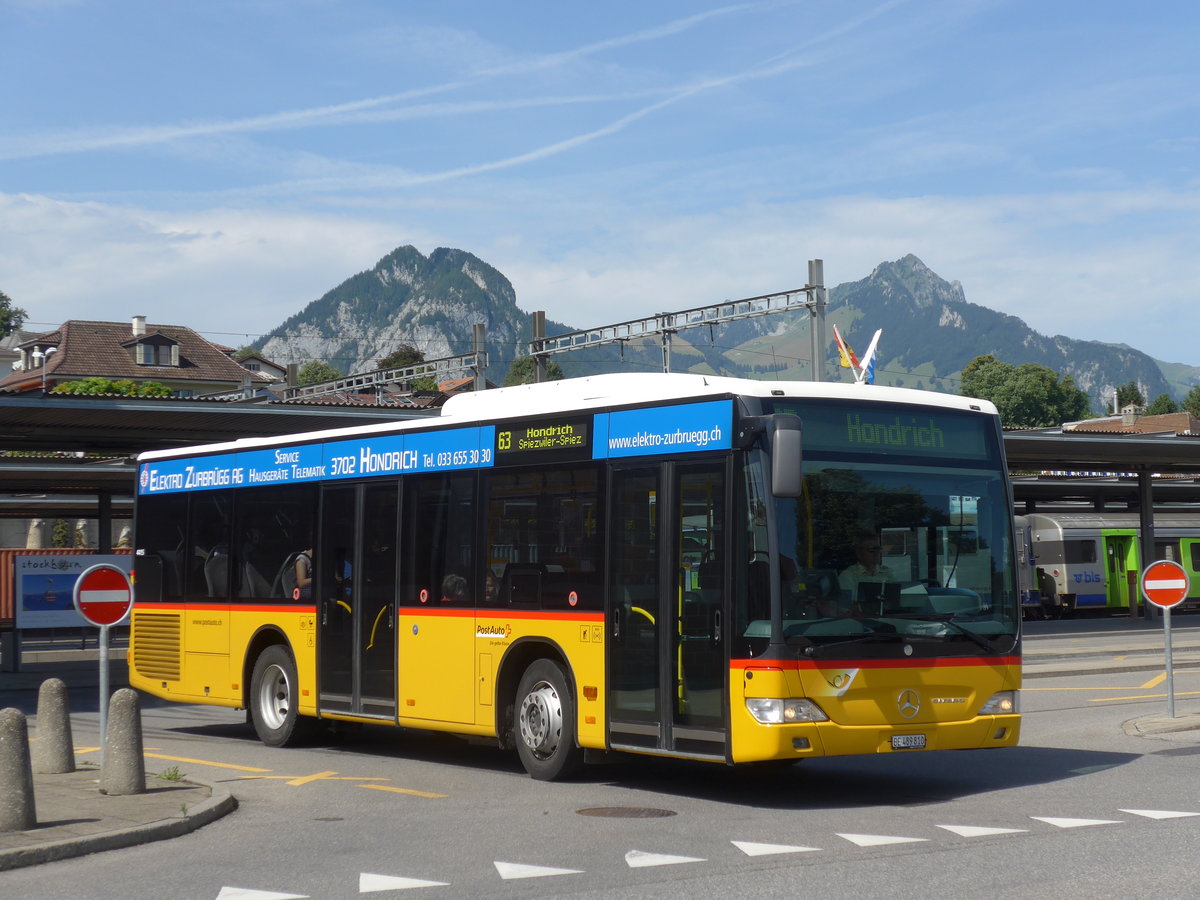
(687, 428)
(46, 588)
(392, 454)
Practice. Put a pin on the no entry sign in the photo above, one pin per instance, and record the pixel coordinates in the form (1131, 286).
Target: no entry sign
(103, 595)
(1165, 583)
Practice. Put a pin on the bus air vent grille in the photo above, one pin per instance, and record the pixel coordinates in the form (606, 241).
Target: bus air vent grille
(156, 646)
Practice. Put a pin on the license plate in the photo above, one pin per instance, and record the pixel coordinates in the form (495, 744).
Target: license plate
(908, 742)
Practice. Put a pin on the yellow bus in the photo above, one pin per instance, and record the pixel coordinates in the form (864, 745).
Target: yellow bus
(674, 565)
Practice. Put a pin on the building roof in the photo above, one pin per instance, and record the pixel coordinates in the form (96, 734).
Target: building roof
(1165, 423)
(86, 349)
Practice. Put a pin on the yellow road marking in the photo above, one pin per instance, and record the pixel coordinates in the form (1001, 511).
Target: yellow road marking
(1142, 697)
(1155, 681)
(308, 779)
(396, 790)
(204, 762)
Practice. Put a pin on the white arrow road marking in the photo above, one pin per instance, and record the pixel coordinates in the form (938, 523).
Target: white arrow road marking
(878, 840)
(368, 883)
(638, 859)
(752, 849)
(1075, 823)
(979, 831)
(509, 871)
(236, 893)
(1159, 813)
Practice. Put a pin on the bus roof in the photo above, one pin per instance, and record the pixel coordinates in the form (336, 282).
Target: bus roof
(599, 391)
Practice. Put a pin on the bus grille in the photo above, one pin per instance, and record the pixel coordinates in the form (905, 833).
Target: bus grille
(156, 646)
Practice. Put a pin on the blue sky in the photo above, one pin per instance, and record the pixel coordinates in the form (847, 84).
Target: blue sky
(220, 164)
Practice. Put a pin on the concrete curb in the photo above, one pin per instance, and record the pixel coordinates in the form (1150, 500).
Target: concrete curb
(1161, 724)
(219, 803)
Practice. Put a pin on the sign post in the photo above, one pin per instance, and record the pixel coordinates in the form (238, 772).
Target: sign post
(103, 596)
(1165, 584)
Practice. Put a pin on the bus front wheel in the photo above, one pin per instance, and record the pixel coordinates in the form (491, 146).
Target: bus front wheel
(545, 723)
(273, 696)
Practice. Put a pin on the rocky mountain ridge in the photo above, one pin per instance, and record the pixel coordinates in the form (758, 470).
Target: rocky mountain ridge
(930, 330)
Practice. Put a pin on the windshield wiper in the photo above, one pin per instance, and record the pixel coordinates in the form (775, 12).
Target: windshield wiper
(948, 619)
(814, 650)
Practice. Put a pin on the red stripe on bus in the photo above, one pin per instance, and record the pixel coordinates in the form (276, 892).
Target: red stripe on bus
(841, 663)
(527, 614)
(223, 607)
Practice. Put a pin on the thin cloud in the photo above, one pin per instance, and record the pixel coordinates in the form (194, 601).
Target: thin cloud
(339, 113)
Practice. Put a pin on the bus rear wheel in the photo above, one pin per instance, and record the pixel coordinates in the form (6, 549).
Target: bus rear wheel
(273, 696)
(545, 723)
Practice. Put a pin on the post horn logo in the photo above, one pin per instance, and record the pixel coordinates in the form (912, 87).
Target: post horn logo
(909, 703)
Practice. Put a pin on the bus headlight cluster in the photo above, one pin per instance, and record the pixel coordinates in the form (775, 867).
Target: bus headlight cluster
(1003, 703)
(771, 711)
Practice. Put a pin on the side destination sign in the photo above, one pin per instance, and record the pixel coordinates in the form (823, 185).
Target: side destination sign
(661, 430)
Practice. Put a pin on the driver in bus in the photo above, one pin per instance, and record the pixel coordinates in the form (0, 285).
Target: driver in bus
(867, 570)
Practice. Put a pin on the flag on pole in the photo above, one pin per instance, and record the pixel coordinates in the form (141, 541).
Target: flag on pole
(845, 354)
(868, 364)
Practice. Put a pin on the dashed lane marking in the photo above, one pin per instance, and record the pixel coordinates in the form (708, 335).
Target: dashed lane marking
(640, 859)
(368, 883)
(879, 840)
(513, 871)
(1075, 823)
(970, 831)
(397, 790)
(1155, 681)
(753, 849)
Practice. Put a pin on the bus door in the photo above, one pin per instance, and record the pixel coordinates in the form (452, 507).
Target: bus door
(356, 599)
(667, 658)
(1120, 553)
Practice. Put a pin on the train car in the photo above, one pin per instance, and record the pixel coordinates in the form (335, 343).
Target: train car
(1091, 561)
(1027, 581)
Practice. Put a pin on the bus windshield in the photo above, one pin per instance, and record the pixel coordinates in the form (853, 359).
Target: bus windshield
(904, 551)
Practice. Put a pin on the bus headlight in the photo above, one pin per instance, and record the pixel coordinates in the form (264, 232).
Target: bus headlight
(782, 712)
(1004, 703)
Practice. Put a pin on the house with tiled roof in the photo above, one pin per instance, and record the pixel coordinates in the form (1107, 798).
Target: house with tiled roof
(172, 355)
(1133, 420)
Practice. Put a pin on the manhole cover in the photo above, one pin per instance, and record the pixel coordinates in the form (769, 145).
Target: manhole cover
(627, 812)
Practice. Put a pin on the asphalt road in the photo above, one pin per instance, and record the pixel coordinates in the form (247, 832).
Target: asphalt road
(1085, 807)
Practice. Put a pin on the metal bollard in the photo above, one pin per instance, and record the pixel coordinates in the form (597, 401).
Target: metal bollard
(124, 768)
(53, 752)
(17, 811)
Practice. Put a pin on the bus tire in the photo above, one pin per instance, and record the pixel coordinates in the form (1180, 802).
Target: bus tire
(273, 697)
(545, 723)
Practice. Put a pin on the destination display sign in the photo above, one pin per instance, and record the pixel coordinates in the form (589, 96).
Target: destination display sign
(551, 439)
(654, 431)
(917, 431)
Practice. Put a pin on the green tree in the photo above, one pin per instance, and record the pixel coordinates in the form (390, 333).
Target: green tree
(1191, 402)
(1130, 393)
(315, 371)
(402, 357)
(11, 317)
(123, 387)
(524, 371)
(1027, 396)
(1162, 405)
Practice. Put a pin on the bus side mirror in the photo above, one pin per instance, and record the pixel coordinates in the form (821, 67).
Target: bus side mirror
(786, 456)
